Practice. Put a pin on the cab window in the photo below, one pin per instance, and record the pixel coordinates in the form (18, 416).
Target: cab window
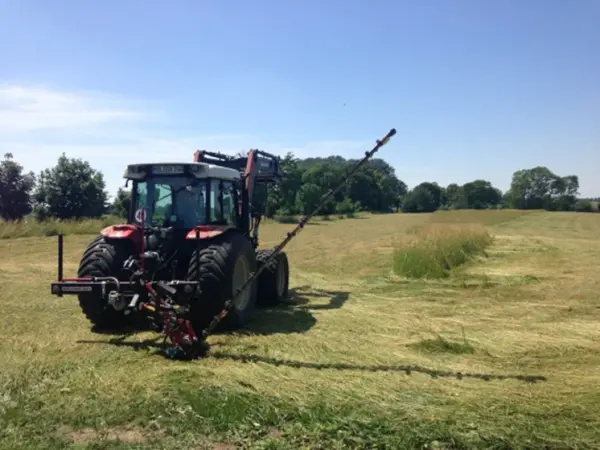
(223, 202)
(163, 203)
(229, 202)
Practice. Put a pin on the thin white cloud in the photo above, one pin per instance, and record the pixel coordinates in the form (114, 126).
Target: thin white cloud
(38, 123)
(25, 109)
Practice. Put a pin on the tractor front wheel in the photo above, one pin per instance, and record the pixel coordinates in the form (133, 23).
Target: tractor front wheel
(221, 268)
(273, 282)
(103, 258)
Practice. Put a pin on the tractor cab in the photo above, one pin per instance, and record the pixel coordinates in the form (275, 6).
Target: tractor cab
(183, 195)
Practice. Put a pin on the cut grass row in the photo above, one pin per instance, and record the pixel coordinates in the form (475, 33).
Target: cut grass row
(437, 249)
(448, 241)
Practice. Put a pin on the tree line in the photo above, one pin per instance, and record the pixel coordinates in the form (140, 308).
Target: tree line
(72, 189)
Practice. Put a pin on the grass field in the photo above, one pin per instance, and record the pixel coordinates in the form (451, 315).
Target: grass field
(360, 358)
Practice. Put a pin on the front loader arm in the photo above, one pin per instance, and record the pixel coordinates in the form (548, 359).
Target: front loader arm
(258, 167)
(261, 168)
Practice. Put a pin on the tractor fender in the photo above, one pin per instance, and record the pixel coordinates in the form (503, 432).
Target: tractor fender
(123, 231)
(208, 231)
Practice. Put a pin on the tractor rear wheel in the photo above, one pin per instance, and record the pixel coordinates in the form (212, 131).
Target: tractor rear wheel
(273, 282)
(225, 265)
(103, 258)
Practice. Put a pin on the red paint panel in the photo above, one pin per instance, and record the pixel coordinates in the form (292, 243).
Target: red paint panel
(125, 231)
(207, 231)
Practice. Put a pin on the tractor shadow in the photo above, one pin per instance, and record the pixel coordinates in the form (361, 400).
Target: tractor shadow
(301, 298)
(294, 314)
(137, 326)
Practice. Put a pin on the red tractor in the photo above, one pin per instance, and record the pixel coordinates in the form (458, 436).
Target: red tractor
(192, 233)
(187, 259)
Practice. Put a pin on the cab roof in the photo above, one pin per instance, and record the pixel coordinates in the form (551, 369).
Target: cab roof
(140, 171)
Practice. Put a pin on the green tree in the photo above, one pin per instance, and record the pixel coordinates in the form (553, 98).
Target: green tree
(421, 199)
(15, 189)
(322, 177)
(71, 190)
(374, 187)
(564, 193)
(455, 197)
(436, 192)
(121, 203)
(583, 206)
(480, 194)
(347, 207)
(285, 194)
(308, 198)
(540, 188)
(426, 197)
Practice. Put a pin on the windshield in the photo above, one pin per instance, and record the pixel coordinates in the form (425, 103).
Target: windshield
(170, 201)
(175, 201)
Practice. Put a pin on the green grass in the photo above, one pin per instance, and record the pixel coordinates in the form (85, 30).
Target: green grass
(438, 249)
(442, 345)
(359, 358)
(29, 227)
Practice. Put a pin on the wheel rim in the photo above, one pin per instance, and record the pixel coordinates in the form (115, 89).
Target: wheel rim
(280, 279)
(240, 275)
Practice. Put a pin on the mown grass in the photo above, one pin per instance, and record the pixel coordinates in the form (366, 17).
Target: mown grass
(358, 358)
(483, 217)
(442, 345)
(290, 219)
(437, 249)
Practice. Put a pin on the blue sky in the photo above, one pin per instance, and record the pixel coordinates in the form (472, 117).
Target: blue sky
(476, 89)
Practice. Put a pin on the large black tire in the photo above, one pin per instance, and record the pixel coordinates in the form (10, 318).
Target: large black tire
(103, 258)
(219, 281)
(274, 280)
